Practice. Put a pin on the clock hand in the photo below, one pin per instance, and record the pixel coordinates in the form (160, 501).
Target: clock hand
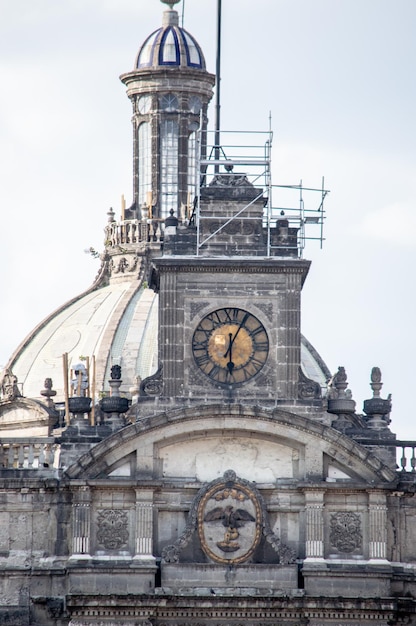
(230, 335)
(232, 339)
(230, 364)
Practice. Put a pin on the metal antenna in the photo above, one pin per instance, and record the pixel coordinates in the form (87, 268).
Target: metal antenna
(183, 12)
(218, 89)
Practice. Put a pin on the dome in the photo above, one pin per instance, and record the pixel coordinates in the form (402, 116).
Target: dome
(117, 323)
(170, 46)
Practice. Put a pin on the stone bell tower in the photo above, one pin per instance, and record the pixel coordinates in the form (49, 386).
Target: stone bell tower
(170, 89)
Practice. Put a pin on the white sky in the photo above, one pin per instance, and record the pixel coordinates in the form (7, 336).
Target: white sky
(338, 77)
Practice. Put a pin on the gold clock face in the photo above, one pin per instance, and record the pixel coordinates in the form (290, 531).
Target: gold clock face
(230, 346)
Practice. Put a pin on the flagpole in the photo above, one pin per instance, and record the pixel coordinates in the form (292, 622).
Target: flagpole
(218, 88)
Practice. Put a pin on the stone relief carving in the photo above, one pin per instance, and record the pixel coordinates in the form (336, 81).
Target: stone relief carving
(112, 530)
(196, 307)
(345, 531)
(9, 388)
(152, 385)
(267, 309)
(230, 180)
(262, 380)
(229, 533)
(230, 517)
(233, 227)
(248, 228)
(307, 388)
(123, 265)
(214, 226)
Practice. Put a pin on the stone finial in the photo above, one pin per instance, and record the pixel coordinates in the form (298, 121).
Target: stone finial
(9, 388)
(111, 214)
(337, 387)
(135, 389)
(114, 404)
(376, 408)
(170, 3)
(339, 397)
(48, 392)
(115, 372)
(376, 383)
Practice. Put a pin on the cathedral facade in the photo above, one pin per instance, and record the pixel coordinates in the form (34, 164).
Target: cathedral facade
(190, 459)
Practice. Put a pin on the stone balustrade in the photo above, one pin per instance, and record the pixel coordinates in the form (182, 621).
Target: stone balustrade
(29, 453)
(133, 232)
(44, 452)
(407, 456)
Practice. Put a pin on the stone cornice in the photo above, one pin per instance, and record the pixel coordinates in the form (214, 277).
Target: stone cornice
(93, 462)
(242, 265)
(255, 609)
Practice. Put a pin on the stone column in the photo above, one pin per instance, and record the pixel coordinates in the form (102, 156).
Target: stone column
(144, 525)
(81, 523)
(377, 526)
(314, 540)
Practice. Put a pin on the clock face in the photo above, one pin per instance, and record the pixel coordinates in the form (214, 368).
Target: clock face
(230, 346)
(144, 104)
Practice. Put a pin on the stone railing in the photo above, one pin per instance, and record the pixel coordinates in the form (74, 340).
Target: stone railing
(44, 453)
(29, 453)
(133, 232)
(406, 458)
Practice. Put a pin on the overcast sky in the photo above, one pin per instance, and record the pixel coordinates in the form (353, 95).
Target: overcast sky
(337, 76)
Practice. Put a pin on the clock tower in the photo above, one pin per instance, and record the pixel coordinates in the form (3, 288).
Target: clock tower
(229, 283)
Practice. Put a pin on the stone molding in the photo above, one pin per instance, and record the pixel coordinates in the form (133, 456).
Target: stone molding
(93, 464)
(95, 611)
(239, 265)
(197, 517)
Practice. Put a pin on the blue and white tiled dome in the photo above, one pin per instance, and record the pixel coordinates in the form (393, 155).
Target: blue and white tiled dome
(170, 46)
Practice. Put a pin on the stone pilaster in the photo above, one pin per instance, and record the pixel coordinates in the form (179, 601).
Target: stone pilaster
(292, 334)
(81, 523)
(144, 525)
(314, 540)
(377, 526)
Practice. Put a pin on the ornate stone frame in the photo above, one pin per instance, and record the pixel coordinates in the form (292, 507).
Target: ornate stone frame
(171, 553)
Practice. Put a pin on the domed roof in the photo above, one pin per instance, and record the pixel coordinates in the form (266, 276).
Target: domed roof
(170, 46)
(117, 323)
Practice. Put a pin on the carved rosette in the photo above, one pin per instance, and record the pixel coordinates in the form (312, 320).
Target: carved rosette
(112, 531)
(345, 531)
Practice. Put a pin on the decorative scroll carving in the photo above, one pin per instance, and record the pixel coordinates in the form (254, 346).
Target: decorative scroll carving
(112, 530)
(124, 265)
(248, 228)
(196, 307)
(267, 308)
(235, 516)
(230, 180)
(307, 388)
(345, 531)
(152, 385)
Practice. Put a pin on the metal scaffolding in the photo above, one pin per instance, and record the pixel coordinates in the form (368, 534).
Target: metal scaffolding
(248, 153)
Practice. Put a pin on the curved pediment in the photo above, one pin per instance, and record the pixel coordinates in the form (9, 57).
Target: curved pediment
(199, 444)
(23, 417)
